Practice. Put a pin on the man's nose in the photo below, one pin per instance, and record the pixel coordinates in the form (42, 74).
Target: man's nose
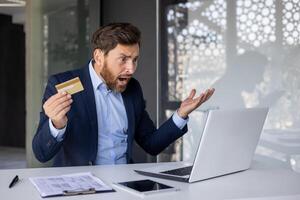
(130, 67)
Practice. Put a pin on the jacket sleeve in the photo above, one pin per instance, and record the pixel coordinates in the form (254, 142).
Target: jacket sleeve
(44, 145)
(153, 140)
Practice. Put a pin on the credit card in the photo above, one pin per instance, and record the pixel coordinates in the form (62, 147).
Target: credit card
(71, 86)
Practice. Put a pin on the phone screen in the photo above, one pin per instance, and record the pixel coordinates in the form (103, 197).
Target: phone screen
(145, 185)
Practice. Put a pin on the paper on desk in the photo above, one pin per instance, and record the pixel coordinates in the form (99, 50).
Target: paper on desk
(56, 185)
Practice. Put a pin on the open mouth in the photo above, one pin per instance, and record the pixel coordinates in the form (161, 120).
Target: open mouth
(123, 80)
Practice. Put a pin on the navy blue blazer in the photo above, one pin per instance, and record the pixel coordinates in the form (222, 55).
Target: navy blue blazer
(80, 143)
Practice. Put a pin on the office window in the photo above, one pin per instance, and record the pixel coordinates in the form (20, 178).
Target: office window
(58, 40)
(65, 47)
(249, 51)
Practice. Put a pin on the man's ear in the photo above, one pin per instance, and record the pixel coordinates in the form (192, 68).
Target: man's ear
(98, 56)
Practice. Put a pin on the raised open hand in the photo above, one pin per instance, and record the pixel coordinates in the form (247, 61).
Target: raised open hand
(191, 103)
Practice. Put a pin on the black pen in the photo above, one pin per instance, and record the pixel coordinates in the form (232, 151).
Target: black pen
(14, 181)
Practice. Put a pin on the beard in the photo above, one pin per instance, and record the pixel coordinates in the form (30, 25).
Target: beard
(115, 83)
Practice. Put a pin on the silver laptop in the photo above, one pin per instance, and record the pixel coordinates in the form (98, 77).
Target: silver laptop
(227, 145)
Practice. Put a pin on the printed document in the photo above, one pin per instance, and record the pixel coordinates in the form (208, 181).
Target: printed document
(78, 183)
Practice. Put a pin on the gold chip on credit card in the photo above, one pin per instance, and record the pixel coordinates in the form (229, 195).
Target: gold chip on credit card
(71, 86)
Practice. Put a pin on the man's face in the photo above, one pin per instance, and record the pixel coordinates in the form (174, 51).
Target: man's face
(118, 66)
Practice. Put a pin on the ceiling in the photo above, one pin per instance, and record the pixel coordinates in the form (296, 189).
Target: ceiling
(15, 8)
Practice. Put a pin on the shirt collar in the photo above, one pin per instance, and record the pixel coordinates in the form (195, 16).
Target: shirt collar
(97, 81)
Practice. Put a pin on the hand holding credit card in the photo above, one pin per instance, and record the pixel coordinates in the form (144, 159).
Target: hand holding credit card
(72, 86)
(58, 105)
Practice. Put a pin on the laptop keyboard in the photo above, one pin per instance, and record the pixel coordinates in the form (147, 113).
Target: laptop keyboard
(179, 171)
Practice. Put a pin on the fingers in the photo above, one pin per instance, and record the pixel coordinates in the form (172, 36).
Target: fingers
(56, 104)
(60, 100)
(200, 99)
(210, 93)
(207, 94)
(63, 112)
(60, 107)
(53, 98)
(204, 96)
(192, 94)
(191, 103)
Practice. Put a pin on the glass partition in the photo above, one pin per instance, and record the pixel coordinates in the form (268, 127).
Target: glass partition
(249, 51)
(58, 39)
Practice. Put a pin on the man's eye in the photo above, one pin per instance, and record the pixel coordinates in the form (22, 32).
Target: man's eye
(124, 59)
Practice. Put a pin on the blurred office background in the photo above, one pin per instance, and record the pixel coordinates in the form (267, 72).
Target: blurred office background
(249, 50)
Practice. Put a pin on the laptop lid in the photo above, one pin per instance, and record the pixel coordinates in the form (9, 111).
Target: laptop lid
(228, 142)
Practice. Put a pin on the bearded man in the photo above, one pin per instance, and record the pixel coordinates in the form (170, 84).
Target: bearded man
(98, 125)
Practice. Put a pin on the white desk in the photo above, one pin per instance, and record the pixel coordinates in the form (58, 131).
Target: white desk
(256, 183)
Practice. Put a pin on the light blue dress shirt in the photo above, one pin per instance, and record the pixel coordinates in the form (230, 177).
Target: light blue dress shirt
(112, 123)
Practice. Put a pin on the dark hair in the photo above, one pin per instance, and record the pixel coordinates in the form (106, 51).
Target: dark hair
(108, 37)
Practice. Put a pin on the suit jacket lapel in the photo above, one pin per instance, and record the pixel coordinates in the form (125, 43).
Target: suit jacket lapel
(128, 103)
(88, 99)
